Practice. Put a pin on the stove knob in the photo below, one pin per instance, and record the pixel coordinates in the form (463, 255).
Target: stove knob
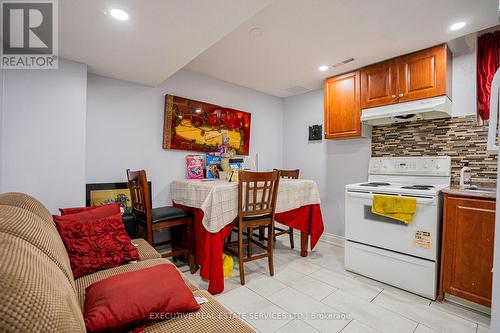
(426, 165)
(438, 166)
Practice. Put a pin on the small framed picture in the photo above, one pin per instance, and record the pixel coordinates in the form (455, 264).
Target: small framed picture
(107, 193)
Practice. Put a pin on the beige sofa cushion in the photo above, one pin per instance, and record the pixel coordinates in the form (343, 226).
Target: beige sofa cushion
(30, 227)
(27, 202)
(35, 294)
(146, 251)
(87, 280)
(212, 317)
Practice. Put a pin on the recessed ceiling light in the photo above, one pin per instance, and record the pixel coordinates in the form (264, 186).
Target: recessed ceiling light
(119, 14)
(457, 26)
(323, 68)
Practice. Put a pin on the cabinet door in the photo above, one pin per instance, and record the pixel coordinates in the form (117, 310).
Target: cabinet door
(379, 85)
(342, 106)
(423, 74)
(467, 256)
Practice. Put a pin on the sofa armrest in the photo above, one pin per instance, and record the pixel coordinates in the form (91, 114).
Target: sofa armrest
(146, 251)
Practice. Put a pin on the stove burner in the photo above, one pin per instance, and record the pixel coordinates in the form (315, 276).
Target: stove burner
(375, 184)
(418, 187)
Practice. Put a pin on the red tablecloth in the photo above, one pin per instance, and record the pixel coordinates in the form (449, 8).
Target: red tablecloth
(209, 246)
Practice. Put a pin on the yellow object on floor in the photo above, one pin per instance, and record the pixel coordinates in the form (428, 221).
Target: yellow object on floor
(398, 208)
(227, 264)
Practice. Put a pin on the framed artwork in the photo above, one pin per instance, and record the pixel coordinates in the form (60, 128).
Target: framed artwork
(104, 197)
(106, 193)
(200, 126)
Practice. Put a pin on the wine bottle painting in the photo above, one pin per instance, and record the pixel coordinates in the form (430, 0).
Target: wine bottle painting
(200, 126)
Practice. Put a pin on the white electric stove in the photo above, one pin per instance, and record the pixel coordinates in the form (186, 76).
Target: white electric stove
(399, 254)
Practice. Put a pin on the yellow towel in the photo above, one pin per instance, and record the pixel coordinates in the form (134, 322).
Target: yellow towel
(398, 208)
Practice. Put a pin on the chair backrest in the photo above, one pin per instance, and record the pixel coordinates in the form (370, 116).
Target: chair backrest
(139, 194)
(291, 174)
(257, 192)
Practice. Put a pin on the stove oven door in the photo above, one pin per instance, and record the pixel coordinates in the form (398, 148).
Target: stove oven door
(419, 239)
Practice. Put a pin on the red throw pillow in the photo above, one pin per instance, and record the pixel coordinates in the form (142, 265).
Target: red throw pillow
(96, 244)
(130, 299)
(75, 210)
(92, 211)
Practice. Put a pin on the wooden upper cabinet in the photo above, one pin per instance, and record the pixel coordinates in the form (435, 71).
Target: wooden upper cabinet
(407, 78)
(379, 84)
(415, 76)
(342, 106)
(423, 74)
(467, 249)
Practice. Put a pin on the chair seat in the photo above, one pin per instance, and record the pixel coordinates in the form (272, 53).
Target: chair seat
(256, 217)
(166, 213)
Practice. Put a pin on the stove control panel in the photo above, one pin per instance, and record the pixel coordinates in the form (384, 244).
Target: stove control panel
(425, 166)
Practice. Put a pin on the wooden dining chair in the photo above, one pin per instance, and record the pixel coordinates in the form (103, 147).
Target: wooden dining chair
(290, 174)
(153, 219)
(257, 193)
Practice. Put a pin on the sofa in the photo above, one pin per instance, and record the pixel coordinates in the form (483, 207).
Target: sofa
(39, 294)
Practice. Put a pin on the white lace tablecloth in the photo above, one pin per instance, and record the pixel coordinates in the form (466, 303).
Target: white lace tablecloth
(218, 199)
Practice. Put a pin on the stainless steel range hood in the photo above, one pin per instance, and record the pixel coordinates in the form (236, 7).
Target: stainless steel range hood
(429, 108)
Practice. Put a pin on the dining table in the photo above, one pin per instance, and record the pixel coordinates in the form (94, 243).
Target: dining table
(214, 205)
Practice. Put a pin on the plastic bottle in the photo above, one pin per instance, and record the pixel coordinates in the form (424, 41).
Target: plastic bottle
(465, 175)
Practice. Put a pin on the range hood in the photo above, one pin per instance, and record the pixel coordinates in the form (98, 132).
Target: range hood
(429, 108)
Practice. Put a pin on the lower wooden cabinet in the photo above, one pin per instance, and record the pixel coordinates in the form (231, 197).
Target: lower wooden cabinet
(467, 248)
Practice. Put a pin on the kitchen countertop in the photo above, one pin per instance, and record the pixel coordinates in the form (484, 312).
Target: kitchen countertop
(457, 191)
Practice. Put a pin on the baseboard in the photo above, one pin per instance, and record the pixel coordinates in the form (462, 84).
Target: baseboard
(332, 239)
(467, 304)
(326, 238)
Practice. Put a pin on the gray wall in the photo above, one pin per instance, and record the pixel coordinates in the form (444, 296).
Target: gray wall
(58, 131)
(125, 127)
(42, 134)
(331, 163)
(464, 75)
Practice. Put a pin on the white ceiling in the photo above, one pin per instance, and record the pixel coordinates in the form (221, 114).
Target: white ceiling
(160, 37)
(299, 35)
(294, 36)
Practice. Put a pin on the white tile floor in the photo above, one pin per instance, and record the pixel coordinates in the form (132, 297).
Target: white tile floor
(316, 294)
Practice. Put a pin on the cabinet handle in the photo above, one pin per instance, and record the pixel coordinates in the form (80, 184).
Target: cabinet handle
(393, 96)
(401, 95)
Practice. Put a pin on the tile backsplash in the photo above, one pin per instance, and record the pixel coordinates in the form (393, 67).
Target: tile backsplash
(462, 138)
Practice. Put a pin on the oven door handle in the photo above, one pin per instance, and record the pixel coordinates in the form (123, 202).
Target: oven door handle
(366, 195)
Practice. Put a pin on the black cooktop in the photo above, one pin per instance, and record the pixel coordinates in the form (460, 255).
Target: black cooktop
(375, 184)
(418, 187)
